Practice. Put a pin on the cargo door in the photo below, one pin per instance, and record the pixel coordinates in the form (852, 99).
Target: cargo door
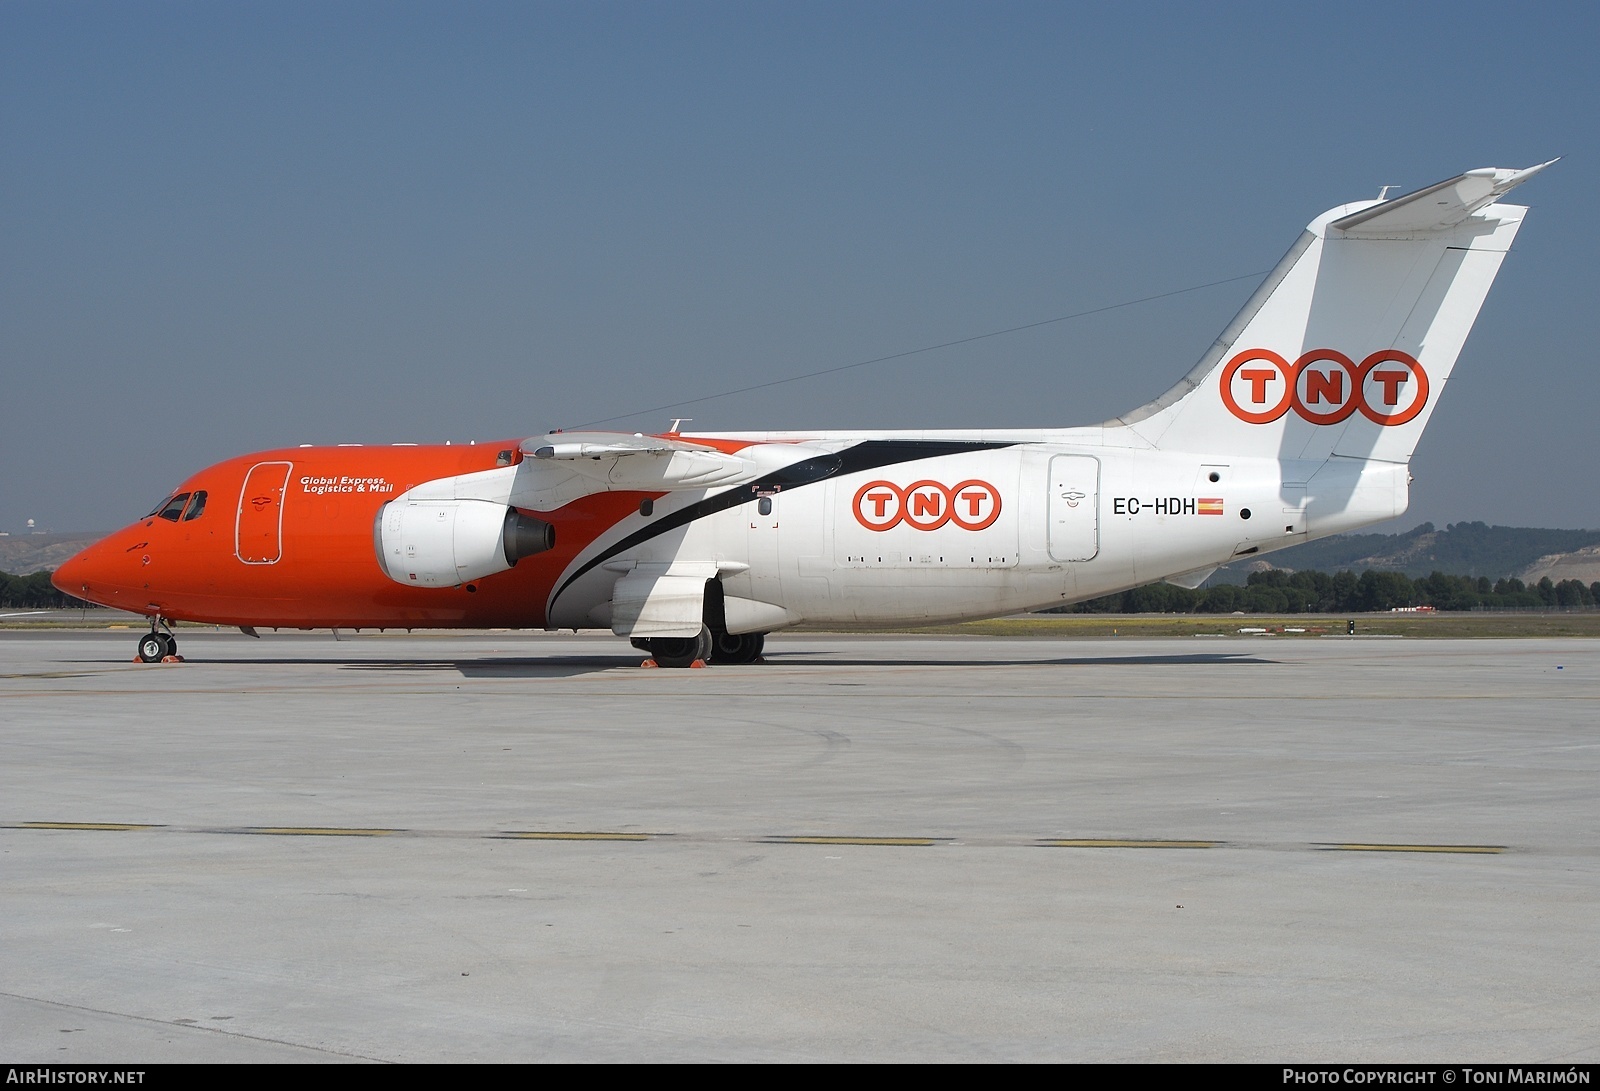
(258, 529)
(1074, 507)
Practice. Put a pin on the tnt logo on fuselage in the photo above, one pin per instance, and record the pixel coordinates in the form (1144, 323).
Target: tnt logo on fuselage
(927, 505)
(1324, 386)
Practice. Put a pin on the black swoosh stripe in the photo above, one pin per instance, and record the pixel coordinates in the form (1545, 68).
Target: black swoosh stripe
(869, 455)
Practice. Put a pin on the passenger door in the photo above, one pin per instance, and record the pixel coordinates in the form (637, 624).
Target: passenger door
(258, 529)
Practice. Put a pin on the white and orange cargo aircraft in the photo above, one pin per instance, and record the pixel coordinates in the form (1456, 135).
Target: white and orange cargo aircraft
(1299, 422)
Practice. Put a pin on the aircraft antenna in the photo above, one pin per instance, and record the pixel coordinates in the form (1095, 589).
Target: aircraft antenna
(925, 348)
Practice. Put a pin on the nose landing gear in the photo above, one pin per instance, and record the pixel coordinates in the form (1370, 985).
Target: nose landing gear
(159, 645)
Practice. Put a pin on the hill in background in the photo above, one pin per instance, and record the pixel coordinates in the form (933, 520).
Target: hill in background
(21, 554)
(1460, 549)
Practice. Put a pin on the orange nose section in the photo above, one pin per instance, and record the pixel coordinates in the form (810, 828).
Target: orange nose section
(70, 575)
(86, 576)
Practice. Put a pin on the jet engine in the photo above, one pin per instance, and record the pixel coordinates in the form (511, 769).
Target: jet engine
(442, 543)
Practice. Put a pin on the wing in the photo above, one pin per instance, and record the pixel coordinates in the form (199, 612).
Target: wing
(563, 466)
(613, 462)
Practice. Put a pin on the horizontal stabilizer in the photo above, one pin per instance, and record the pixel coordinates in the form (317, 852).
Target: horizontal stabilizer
(1438, 207)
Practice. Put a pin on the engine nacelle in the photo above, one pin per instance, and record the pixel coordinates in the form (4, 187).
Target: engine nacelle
(442, 543)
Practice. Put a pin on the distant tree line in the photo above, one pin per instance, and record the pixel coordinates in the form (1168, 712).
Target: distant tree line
(1275, 591)
(34, 592)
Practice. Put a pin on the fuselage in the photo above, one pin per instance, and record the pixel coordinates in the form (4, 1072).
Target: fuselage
(934, 526)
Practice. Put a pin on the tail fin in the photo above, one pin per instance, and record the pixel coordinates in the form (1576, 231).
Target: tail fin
(1347, 345)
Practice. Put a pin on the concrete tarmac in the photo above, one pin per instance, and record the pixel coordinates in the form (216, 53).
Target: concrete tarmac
(515, 847)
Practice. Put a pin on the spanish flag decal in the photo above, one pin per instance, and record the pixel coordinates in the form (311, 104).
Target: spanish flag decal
(1210, 505)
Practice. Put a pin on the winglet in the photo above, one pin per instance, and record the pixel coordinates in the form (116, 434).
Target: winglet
(1437, 207)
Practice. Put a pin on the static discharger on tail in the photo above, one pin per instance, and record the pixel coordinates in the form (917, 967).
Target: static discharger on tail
(1299, 422)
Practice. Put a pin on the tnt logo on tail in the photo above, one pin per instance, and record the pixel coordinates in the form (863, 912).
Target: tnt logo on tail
(1324, 386)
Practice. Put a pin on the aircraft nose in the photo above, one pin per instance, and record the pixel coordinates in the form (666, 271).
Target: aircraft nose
(71, 576)
(83, 573)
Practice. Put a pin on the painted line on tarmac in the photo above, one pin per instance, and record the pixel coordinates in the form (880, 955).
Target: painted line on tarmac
(1357, 847)
(314, 831)
(83, 826)
(1119, 843)
(573, 835)
(807, 839)
(761, 839)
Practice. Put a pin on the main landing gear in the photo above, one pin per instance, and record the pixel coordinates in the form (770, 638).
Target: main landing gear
(158, 645)
(717, 648)
(737, 648)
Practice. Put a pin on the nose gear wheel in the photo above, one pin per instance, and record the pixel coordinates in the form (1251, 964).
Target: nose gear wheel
(158, 644)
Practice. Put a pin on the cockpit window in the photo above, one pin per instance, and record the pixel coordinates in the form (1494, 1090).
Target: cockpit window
(153, 512)
(174, 507)
(197, 504)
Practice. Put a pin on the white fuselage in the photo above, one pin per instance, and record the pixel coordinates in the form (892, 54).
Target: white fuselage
(1034, 523)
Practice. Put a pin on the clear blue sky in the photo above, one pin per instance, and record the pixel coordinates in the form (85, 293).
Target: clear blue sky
(232, 226)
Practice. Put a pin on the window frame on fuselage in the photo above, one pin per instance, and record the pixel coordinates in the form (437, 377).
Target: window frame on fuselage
(172, 510)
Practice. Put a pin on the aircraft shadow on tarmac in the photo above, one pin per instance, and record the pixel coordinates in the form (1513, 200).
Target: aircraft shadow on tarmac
(562, 666)
(1193, 659)
(569, 666)
(545, 667)
(572, 666)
